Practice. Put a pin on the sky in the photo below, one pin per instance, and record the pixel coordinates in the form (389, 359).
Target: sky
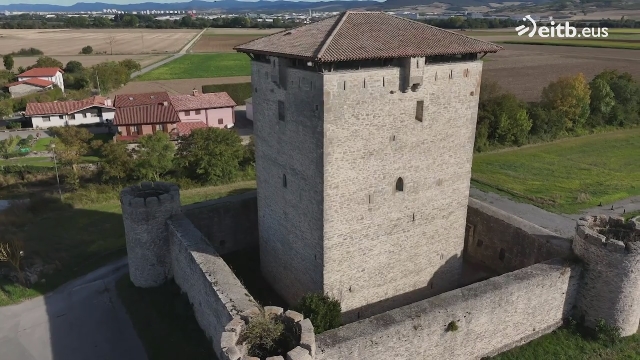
(122, 2)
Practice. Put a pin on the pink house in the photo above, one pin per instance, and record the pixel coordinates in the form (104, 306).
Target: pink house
(214, 109)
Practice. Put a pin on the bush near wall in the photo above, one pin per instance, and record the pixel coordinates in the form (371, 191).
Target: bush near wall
(238, 92)
(24, 169)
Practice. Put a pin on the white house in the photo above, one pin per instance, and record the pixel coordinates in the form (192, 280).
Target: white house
(50, 74)
(94, 110)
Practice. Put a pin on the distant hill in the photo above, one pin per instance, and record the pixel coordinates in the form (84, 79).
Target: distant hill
(228, 5)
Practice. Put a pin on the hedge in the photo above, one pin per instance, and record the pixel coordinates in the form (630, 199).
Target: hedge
(238, 92)
(24, 169)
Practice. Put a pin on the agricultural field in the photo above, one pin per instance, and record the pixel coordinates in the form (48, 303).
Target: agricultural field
(223, 40)
(69, 42)
(567, 175)
(526, 69)
(191, 66)
(89, 60)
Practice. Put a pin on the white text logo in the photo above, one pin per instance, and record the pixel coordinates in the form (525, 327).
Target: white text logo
(560, 30)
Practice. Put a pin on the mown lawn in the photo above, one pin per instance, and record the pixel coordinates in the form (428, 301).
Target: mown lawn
(568, 344)
(86, 237)
(567, 175)
(238, 92)
(43, 161)
(191, 66)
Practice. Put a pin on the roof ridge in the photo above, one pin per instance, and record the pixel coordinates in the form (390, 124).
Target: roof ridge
(333, 32)
(445, 30)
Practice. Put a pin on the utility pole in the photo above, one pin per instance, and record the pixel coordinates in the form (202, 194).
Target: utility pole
(142, 33)
(55, 164)
(98, 81)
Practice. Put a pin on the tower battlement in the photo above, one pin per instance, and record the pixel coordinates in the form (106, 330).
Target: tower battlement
(145, 210)
(610, 249)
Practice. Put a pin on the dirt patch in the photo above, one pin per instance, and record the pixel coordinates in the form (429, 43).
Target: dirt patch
(221, 43)
(70, 42)
(526, 69)
(173, 87)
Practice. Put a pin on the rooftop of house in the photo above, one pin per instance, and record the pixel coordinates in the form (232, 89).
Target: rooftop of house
(34, 82)
(37, 72)
(198, 101)
(127, 100)
(146, 114)
(66, 107)
(185, 127)
(359, 35)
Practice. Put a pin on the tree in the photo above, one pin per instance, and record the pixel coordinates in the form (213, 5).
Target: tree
(87, 50)
(74, 66)
(111, 75)
(8, 62)
(46, 61)
(154, 156)
(130, 21)
(117, 163)
(210, 155)
(569, 97)
(101, 22)
(130, 65)
(73, 137)
(8, 145)
(110, 40)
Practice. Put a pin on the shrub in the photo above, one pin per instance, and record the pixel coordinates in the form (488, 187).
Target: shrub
(14, 125)
(269, 335)
(452, 326)
(324, 312)
(607, 334)
(27, 52)
(238, 92)
(86, 50)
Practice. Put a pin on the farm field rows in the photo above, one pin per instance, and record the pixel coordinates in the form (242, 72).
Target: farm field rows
(69, 42)
(567, 175)
(223, 40)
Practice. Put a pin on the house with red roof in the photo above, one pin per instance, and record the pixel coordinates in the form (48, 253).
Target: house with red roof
(213, 109)
(144, 114)
(94, 110)
(53, 75)
(28, 86)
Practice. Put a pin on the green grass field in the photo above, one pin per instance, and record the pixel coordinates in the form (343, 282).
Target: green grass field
(192, 66)
(567, 175)
(86, 237)
(43, 161)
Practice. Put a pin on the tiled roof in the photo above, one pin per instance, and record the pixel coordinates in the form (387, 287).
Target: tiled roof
(365, 35)
(65, 107)
(34, 82)
(202, 101)
(37, 72)
(126, 100)
(146, 114)
(185, 127)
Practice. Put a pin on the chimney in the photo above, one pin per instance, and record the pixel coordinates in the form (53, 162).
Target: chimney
(165, 103)
(195, 92)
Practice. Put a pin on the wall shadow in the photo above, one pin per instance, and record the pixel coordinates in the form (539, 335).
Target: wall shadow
(440, 282)
(77, 319)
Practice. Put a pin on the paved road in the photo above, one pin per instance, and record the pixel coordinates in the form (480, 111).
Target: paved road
(174, 57)
(81, 320)
(23, 133)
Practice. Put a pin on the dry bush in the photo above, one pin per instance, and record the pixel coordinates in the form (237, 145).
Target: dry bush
(12, 251)
(262, 335)
(583, 197)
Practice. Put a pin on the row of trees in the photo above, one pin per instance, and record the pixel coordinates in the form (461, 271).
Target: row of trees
(206, 156)
(569, 106)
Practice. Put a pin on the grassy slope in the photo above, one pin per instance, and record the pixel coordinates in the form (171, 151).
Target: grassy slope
(192, 66)
(164, 321)
(87, 237)
(554, 175)
(43, 161)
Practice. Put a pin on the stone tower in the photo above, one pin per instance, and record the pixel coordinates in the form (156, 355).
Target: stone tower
(364, 127)
(610, 289)
(145, 211)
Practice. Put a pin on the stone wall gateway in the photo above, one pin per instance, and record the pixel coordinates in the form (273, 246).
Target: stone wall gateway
(611, 286)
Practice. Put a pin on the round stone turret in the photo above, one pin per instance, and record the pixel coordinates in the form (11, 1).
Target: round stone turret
(145, 210)
(610, 289)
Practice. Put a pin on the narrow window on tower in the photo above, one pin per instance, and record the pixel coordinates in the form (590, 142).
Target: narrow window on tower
(419, 110)
(344, 85)
(280, 110)
(284, 180)
(383, 82)
(399, 184)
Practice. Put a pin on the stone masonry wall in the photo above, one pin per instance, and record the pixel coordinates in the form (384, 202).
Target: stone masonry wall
(505, 243)
(230, 223)
(611, 286)
(380, 243)
(492, 316)
(290, 218)
(214, 291)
